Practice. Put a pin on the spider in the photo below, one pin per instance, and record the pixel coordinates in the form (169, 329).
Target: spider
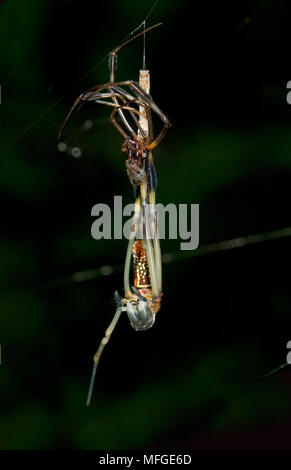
(132, 117)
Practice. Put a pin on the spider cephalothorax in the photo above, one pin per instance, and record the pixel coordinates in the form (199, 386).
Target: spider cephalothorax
(136, 155)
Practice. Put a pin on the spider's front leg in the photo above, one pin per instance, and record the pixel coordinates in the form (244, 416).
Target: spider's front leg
(147, 100)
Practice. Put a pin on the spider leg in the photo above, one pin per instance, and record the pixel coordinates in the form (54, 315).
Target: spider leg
(83, 97)
(121, 114)
(103, 343)
(132, 111)
(158, 139)
(147, 99)
(129, 99)
(117, 126)
(115, 94)
(132, 238)
(78, 100)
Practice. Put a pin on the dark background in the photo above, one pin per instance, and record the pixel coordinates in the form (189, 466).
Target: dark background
(193, 381)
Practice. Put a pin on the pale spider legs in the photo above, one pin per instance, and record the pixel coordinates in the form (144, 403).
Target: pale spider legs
(141, 303)
(145, 219)
(145, 201)
(148, 195)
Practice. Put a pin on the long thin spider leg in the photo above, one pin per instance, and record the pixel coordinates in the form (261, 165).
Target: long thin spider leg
(145, 98)
(126, 104)
(147, 242)
(100, 95)
(122, 92)
(115, 123)
(129, 99)
(108, 103)
(126, 282)
(158, 260)
(141, 102)
(113, 54)
(146, 101)
(112, 118)
(78, 100)
(140, 93)
(152, 219)
(120, 108)
(89, 95)
(95, 93)
(136, 36)
(134, 228)
(124, 120)
(103, 343)
(132, 114)
(123, 97)
(147, 191)
(158, 139)
(156, 246)
(97, 89)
